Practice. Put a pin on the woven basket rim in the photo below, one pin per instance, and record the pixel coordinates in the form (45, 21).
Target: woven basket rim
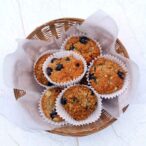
(72, 131)
(69, 19)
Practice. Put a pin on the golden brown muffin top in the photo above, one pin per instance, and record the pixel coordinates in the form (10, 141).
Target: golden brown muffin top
(106, 76)
(83, 45)
(79, 102)
(48, 104)
(64, 69)
(38, 72)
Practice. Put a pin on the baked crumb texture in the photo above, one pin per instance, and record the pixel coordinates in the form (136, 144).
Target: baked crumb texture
(79, 102)
(38, 71)
(106, 76)
(48, 104)
(65, 69)
(87, 47)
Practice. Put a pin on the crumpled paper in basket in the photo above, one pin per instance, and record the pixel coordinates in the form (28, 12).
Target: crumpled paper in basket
(18, 72)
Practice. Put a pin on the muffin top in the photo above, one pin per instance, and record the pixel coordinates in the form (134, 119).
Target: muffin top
(85, 46)
(38, 72)
(48, 104)
(106, 76)
(64, 69)
(79, 101)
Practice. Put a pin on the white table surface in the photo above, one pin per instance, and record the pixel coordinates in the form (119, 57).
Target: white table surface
(19, 17)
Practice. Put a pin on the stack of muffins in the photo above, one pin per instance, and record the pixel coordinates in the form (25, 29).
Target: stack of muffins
(76, 79)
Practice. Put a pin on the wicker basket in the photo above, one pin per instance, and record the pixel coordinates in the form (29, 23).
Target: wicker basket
(55, 28)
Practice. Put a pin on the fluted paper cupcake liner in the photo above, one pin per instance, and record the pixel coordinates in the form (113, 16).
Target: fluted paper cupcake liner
(46, 52)
(62, 54)
(78, 35)
(49, 121)
(126, 80)
(90, 119)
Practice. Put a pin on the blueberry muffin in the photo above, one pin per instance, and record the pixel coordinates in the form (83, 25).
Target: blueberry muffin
(87, 47)
(48, 104)
(38, 72)
(65, 69)
(79, 102)
(106, 76)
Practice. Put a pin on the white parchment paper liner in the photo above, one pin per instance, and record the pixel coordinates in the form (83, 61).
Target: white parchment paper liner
(102, 28)
(62, 54)
(126, 80)
(78, 35)
(46, 52)
(42, 113)
(18, 66)
(92, 118)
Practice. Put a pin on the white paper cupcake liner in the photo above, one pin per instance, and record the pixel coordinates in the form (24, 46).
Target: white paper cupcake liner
(60, 55)
(46, 52)
(78, 35)
(126, 80)
(92, 118)
(49, 121)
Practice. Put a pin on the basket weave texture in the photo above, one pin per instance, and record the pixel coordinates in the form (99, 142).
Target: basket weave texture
(54, 28)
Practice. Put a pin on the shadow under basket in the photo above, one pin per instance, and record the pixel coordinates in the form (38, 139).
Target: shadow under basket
(54, 28)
